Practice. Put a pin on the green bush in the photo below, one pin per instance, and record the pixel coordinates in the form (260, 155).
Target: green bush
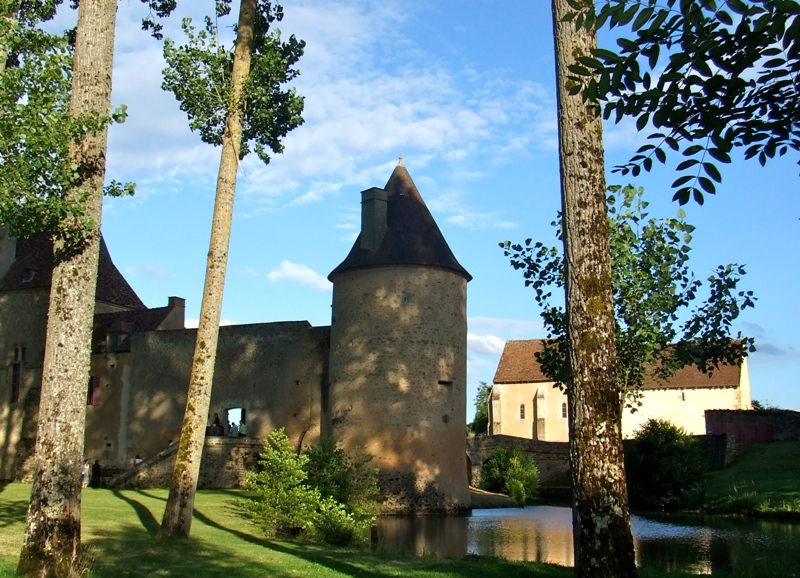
(322, 493)
(285, 504)
(664, 466)
(347, 478)
(511, 471)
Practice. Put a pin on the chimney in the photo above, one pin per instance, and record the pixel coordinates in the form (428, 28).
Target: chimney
(176, 318)
(373, 218)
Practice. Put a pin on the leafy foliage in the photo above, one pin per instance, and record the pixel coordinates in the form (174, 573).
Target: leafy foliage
(480, 423)
(663, 465)
(36, 132)
(323, 493)
(285, 503)
(347, 479)
(511, 471)
(708, 75)
(653, 289)
(199, 73)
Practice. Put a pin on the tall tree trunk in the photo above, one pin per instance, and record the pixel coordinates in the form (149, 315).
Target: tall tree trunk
(600, 513)
(52, 537)
(178, 513)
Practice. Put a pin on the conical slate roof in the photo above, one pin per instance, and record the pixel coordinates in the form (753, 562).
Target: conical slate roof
(33, 269)
(412, 236)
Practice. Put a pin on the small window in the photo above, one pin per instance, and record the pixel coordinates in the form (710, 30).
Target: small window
(94, 393)
(563, 410)
(15, 383)
(522, 411)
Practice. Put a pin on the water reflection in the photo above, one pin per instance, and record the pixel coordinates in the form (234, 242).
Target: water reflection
(544, 534)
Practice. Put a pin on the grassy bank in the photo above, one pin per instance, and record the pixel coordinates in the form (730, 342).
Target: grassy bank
(119, 529)
(763, 481)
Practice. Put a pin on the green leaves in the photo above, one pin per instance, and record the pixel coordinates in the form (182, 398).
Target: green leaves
(730, 80)
(199, 74)
(653, 288)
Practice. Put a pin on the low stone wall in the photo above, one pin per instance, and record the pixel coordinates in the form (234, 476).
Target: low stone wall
(552, 458)
(785, 423)
(224, 463)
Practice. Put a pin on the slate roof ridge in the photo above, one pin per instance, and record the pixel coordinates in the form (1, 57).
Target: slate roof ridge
(412, 236)
(33, 269)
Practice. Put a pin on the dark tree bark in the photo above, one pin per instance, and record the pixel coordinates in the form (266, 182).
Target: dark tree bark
(177, 519)
(52, 538)
(600, 513)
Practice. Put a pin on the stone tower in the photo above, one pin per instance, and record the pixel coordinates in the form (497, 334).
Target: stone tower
(398, 352)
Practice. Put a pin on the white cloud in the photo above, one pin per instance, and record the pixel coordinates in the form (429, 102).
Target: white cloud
(288, 271)
(485, 344)
(505, 328)
(371, 94)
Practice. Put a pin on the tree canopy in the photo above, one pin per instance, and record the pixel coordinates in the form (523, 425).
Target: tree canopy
(38, 180)
(661, 323)
(708, 76)
(480, 423)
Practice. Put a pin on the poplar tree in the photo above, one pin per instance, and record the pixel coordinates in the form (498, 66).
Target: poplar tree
(52, 543)
(602, 538)
(234, 99)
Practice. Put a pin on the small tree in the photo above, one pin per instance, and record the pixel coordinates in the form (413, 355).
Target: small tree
(285, 503)
(323, 493)
(653, 288)
(663, 463)
(347, 479)
(511, 471)
(480, 423)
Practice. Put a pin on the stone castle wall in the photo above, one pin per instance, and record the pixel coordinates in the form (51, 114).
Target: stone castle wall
(398, 381)
(224, 463)
(784, 423)
(24, 321)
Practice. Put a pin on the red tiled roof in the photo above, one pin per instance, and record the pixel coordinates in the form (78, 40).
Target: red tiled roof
(412, 237)
(518, 365)
(33, 269)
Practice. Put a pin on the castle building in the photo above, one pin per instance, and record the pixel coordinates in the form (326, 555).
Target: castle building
(388, 375)
(524, 402)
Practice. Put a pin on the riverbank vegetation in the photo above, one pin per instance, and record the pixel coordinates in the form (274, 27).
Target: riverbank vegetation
(511, 471)
(762, 481)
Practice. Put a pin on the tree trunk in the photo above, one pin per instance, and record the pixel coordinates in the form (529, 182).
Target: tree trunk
(52, 538)
(600, 514)
(178, 513)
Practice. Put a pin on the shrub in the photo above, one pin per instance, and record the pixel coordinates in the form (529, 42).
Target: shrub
(346, 478)
(323, 493)
(664, 465)
(285, 505)
(511, 471)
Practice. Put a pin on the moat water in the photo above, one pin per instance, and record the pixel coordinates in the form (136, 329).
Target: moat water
(701, 545)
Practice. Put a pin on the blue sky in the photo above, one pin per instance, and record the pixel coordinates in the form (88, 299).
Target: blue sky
(464, 90)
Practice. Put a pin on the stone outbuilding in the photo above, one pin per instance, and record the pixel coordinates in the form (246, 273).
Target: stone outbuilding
(524, 402)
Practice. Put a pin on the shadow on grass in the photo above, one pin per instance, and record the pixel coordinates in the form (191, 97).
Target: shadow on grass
(13, 512)
(146, 517)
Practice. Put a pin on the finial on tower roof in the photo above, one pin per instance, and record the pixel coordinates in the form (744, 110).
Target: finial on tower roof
(400, 162)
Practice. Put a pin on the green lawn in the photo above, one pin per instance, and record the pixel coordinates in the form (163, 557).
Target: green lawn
(119, 529)
(764, 479)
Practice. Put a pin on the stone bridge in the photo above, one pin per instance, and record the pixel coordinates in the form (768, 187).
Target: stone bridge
(552, 458)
